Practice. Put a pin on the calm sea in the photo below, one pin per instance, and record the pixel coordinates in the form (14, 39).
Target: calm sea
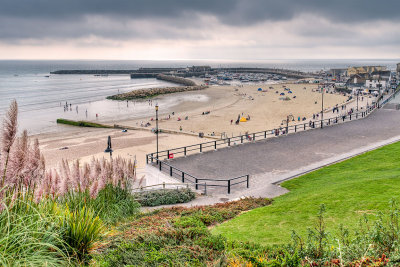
(41, 97)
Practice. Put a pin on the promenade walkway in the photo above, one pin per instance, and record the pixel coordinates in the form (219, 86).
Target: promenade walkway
(276, 159)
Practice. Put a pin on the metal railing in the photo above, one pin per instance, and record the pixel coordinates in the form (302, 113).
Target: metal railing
(198, 182)
(252, 137)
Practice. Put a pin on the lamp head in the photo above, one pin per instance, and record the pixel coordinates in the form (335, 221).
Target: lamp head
(156, 107)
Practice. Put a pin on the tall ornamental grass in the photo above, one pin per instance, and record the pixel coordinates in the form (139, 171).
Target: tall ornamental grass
(52, 217)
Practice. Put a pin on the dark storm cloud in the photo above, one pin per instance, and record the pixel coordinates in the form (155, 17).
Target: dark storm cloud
(68, 18)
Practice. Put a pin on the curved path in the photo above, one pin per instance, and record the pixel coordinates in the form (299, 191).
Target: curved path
(270, 161)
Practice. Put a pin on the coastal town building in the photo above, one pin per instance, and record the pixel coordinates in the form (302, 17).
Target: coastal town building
(364, 69)
(375, 84)
(398, 71)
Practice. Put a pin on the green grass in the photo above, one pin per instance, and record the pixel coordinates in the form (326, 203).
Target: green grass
(361, 185)
(82, 123)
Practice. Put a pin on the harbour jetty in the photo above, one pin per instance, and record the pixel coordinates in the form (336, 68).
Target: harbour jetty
(187, 85)
(147, 93)
(193, 71)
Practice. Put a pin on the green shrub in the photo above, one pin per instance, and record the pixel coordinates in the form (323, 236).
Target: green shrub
(112, 204)
(188, 221)
(165, 197)
(81, 229)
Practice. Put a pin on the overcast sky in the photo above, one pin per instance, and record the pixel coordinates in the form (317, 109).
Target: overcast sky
(199, 29)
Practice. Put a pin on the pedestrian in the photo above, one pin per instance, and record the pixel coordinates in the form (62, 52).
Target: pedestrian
(86, 113)
(231, 122)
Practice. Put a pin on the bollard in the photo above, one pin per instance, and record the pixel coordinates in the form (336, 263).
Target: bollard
(147, 159)
(197, 185)
(295, 128)
(304, 126)
(184, 151)
(229, 142)
(201, 148)
(160, 164)
(247, 180)
(254, 137)
(229, 186)
(241, 139)
(265, 134)
(163, 185)
(183, 177)
(170, 170)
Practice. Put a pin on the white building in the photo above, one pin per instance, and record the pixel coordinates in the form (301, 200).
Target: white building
(374, 84)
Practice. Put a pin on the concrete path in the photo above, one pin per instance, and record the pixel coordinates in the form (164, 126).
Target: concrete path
(276, 159)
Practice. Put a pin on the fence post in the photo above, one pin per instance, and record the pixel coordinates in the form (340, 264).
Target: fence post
(304, 126)
(160, 163)
(184, 151)
(197, 183)
(163, 185)
(168, 154)
(350, 116)
(170, 170)
(229, 186)
(254, 137)
(215, 145)
(265, 134)
(357, 115)
(147, 158)
(295, 128)
(183, 177)
(201, 148)
(229, 142)
(247, 180)
(322, 124)
(241, 139)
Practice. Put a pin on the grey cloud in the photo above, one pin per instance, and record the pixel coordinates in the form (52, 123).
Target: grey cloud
(63, 19)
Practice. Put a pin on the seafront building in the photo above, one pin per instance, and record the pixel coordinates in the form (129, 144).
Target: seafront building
(364, 69)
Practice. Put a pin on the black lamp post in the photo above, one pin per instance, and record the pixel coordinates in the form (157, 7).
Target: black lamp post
(109, 149)
(289, 117)
(322, 106)
(358, 92)
(157, 126)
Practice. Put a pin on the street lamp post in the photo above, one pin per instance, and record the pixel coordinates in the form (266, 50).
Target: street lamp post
(157, 127)
(288, 117)
(322, 106)
(109, 147)
(358, 92)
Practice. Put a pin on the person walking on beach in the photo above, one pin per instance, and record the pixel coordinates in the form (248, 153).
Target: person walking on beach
(86, 113)
(231, 122)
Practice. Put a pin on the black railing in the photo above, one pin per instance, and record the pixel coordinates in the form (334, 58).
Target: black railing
(198, 182)
(247, 138)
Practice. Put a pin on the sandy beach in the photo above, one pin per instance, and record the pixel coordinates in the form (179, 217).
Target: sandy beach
(225, 103)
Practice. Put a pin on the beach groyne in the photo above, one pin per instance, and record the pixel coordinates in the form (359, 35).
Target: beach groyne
(152, 92)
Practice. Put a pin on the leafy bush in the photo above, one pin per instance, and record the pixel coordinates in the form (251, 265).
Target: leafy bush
(174, 237)
(165, 197)
(112, 203)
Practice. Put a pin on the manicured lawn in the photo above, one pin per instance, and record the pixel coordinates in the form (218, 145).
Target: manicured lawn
(362, 185)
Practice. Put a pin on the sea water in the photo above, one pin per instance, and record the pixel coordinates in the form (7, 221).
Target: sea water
(42, 97)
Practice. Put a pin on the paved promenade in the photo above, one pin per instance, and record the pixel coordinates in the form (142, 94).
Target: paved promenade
(270, 161)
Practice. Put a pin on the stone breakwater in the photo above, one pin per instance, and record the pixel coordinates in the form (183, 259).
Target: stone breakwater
(147, 93)
(188, 85)
(174, 79)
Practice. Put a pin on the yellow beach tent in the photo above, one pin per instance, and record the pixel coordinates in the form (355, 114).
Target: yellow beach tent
(243, 119)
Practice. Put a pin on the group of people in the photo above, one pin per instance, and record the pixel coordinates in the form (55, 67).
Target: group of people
(68, 107)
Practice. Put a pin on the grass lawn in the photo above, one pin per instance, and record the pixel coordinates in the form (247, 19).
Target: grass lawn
(361, 185)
